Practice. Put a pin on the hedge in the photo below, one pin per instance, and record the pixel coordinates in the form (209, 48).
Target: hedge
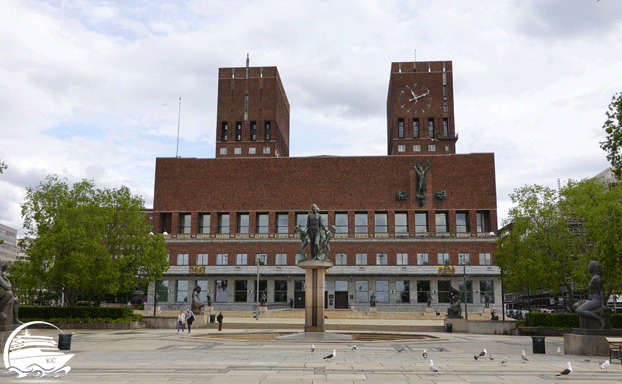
(85, 314)
(565, 320)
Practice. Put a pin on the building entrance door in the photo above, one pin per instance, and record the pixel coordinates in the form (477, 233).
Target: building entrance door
(341, 300)
(299, 299)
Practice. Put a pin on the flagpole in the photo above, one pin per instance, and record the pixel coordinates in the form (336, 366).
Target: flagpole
(178, 120)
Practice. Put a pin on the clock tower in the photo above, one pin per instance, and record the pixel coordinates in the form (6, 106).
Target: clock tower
(420, 109)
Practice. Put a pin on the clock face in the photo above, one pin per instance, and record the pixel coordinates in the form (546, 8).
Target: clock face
(415, 98)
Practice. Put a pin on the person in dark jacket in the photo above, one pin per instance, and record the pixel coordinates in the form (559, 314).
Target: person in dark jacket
(219, 319)
(189, 319)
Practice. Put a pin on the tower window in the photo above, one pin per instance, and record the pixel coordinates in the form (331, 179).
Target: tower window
(400, 128)
(401, 148)
(416, 127)
(253, 130)
(267, 131)
(432, 148)
(430, 127)
(223, 131)
(445, 126)
(238, 131)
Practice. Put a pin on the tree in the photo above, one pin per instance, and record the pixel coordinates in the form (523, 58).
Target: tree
(3, 166)
(554, 235)
(613, 126)
(87, 242)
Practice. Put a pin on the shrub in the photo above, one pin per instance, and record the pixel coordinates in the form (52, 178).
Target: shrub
(78, 314)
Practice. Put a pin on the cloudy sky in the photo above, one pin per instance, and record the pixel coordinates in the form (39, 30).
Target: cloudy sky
(90, 89)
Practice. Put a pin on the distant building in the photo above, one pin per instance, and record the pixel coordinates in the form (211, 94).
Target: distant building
(408, 225)
(8, 249)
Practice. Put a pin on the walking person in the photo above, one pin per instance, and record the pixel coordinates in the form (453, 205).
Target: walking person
(181, 321)
(189, 319)
(219, 319)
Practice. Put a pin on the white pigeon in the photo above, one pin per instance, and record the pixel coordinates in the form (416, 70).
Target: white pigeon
(425, 354)
(605, 365)
(329, 357)
(505, 359)
(566, 371)
(481, 354)
(433, 368)
(524, 356)
(354, 348)
(559, 351)
(312, 347)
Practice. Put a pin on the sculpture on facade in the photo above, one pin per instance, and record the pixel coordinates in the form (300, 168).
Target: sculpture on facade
(372, 300)
(421, 185)
(429, 299)
(486, 300)
(197, 305)
(8, 302)
(593, 312)
(315, 234)
(454, 310)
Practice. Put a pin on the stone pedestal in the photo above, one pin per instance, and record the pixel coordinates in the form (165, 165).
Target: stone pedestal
(373, 309)
(315, 271)
(589, 342)
(5, 332)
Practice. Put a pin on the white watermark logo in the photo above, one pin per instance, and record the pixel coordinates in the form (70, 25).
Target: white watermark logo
(28, 354)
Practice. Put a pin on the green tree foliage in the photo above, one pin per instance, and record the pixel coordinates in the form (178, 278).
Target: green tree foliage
(3, 166)
(552, 236)
(87, 242)
(613, 126)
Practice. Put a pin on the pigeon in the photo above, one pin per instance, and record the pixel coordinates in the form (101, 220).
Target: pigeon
(425, 354)
(605, 365)
(587, 360)
(440, 350)
(566, 371)
(481, 354)
(433, 368)
(559, 351)
(354, 348)
(329, 357)
(312, 347)
(524, 356)
(491, 358)
(505, 359)
(400, 350)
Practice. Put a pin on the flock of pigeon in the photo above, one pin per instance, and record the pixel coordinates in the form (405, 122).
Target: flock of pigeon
(566, 372)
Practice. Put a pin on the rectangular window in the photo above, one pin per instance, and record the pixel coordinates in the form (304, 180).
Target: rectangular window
(202, 258)
(362, 291)
(281, 259)
(182, 291)
(400, 128)
(161, 288)
(485, 259)
(238, 131)
(422, 259)
(252, 150)
(263, 290)
(341, 222)
(421, 222)
(301, 219)
(381, 259)
(182, 259)
(361, 259)
(204, 287)
(223, 131)
(466, 290)
(222, 259)
(445, 106)
(445, 126)
(241, 259)
(464, 258)
(341, 259)
(243, 222)
(341, 286)
(416, 148)
(401, 148)
(266, 150)
(237, 151)
(381, 223)
(299, 257)
(443, 259)
(253, 130)
(444, 90)
(423, 290)
(486, 287)
(462, 222)
(184, 223)
(241, 291)
(360, 222)
(416, 127)
(402, 288)
(282, 223)
(221, 291)
(401, 222)
(262, 223)
(443, 291)
(267, 131)
(446, 147)
(223, 151)
(483, 221)
(432, 147)
(401, 259)
(280, 291)
(223, 223)
(204, 222)
(382, 291)
(431, 127)
(441, 222)
(261, 259)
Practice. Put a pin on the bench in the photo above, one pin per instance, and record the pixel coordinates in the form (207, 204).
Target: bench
(615, 348)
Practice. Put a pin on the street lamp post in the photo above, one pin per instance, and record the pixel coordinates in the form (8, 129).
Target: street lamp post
(466, 300)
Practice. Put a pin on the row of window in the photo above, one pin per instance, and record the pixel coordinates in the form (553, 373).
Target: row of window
(361, 223)
(242, 290)
(224, 131)
(417, 148)
(401, 128)
(251, 151)
(423, 258)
